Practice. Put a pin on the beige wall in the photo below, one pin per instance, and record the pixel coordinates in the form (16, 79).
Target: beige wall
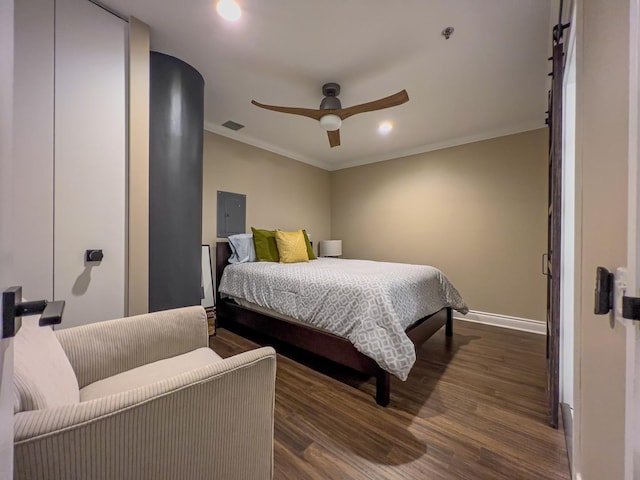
(476, 211)
(138, 191)
(601, 169)
(281, 193)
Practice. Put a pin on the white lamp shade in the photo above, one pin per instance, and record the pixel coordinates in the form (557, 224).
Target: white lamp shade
(330, 248)
(330, 122)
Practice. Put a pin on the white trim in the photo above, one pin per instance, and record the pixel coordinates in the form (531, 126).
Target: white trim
(504, 321)
(577, 31)
(429, 147)
(241, 137)
(571, 220)
(8, 195)
(632, 374)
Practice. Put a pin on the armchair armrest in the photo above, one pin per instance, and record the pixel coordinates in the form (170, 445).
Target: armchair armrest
(213, 422)
(104, 349)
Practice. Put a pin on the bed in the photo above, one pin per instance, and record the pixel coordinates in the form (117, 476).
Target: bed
(369, 339)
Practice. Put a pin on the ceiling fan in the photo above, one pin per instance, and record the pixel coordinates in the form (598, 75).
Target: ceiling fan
(331, 114)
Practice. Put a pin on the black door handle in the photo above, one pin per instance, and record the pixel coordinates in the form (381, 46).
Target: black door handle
(603, 302)
(13, 309)
(93, 255)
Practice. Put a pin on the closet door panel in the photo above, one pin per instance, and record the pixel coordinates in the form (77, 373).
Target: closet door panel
(89, 161)
(33, 147)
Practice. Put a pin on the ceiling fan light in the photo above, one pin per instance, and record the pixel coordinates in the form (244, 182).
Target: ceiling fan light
(229, 10)
(385, 127)
(330, 122)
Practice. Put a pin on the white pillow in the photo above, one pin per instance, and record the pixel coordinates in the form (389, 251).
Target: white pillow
(242, 248)
(43, 376)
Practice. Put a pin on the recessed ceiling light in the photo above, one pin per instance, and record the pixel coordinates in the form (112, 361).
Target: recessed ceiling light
(229, 10)
(385, 127)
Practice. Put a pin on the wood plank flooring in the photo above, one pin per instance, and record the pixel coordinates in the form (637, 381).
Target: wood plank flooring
(474, 408)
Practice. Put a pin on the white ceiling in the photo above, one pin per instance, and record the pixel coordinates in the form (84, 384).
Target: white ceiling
(487, 80)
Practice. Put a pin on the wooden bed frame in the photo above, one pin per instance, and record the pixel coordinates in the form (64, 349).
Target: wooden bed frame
(319, 342)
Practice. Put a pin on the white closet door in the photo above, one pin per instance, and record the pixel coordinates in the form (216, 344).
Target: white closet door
(90, 161)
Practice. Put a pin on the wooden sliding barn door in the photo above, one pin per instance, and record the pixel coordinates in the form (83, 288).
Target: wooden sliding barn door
(552, 266)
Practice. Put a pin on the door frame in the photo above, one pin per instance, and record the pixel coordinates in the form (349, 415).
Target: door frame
(6, 234)
(632, 381)
(567, 293)
(569, 300)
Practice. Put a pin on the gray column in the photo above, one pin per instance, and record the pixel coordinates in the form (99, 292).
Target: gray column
(175, 183)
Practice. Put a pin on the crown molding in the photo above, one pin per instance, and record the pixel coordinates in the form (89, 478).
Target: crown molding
(225, 132)
(429, 147)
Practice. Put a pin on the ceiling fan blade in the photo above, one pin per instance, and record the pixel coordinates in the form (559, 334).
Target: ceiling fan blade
(305, 112)
(334, 138)
(386, 102)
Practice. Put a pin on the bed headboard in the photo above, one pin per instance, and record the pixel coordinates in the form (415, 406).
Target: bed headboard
(223, 252)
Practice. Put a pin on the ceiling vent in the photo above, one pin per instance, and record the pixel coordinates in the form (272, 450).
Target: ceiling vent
(232, 125)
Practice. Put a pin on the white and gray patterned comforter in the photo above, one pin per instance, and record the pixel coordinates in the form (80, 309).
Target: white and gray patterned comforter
(369, 303)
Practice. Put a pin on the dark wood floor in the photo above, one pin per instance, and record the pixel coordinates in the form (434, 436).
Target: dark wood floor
(473, 409)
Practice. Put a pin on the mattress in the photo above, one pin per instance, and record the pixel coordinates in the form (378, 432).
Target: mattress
(369, 303)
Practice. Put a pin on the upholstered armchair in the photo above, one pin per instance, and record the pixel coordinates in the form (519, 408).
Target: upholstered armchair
(140, 398)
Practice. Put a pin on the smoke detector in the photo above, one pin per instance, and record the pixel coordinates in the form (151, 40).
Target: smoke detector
(447, 32)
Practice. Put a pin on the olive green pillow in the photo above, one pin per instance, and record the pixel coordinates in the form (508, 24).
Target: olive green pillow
(265, 243)
(312, 255)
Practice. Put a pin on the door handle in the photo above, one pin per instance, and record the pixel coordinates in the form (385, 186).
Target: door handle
(604, 291)
(13, 309)
(545, 264)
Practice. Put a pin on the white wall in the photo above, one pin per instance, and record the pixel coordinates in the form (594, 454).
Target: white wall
(6, 217)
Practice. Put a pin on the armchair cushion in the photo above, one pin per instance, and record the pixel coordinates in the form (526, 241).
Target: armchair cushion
(150, 373)
(43, 376)
(103, 349)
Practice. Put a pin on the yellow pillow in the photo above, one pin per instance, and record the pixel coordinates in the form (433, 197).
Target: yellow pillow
(291, 247)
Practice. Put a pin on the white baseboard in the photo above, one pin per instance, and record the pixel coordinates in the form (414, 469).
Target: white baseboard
(504, 321)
